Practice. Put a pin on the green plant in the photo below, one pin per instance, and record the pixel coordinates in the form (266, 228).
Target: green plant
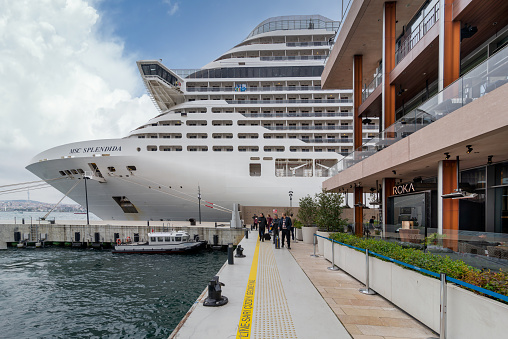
(329, 211)
(297, 224)
(434, 239)
(307, 211)
(493, 281)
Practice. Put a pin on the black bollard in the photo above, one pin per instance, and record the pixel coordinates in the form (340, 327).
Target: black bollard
(215, 297)
(246, 234)
(239, 252)
(230, 254)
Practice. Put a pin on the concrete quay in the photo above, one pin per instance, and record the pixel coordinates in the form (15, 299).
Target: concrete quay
(78, 232)
(281, 293)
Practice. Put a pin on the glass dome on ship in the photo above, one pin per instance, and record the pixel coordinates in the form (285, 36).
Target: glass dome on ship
(246, 128)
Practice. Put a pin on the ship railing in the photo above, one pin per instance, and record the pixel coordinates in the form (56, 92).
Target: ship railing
(306, 128)
(254, 89)
(293, 58)
(291, 115)
(310, 101)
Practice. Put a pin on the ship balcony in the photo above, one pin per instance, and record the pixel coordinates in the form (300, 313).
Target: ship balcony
(297, 114)
(253, 89)
(310, 101)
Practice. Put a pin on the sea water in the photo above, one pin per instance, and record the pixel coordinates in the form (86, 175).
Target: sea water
(78, 293)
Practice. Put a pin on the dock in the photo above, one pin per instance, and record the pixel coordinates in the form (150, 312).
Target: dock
(281, 293)
(269, 295)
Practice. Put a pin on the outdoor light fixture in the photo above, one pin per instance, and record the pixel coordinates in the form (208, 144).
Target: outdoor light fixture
(394, 172)
(489, 159)
(469, 149)
(366, 120)
(447, 155)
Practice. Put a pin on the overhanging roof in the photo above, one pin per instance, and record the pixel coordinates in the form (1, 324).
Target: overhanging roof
(361, 33)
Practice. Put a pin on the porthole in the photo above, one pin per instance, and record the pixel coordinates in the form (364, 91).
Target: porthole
(138, 149)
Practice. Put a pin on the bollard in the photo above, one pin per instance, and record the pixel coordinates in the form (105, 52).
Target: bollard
(230, 254)
(314, 255)
(333, 267)
(246, 234)
(215, 297)
(367, 289)
(239, 252)
(442, 318)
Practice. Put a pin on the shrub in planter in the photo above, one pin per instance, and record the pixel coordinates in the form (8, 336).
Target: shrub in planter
(307, 211)
(329, 212)
(493, 281)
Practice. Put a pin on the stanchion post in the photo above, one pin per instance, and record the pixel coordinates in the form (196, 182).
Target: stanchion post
(314, 255)
(442, 334)
(333, 267)
(367, 289)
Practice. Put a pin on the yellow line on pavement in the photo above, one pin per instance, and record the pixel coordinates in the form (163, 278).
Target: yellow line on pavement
(245, 324)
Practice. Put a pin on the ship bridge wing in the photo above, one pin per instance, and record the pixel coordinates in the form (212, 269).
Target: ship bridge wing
(163, 85)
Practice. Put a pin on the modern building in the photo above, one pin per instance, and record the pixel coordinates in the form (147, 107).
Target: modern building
(435, 73)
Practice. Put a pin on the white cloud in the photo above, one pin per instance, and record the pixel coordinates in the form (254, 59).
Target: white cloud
(173, 6)
(61, 81)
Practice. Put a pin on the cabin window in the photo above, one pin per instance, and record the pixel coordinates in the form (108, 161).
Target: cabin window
(160, 239)
(178, 238)
(153, 239)
(255, 170)
(167, 239)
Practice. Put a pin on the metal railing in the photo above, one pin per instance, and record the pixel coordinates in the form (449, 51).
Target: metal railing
(291, 115)
(407, 42)
(310, 101)
(254, 89)
(487, 76)
(368, 89)
(291, 58)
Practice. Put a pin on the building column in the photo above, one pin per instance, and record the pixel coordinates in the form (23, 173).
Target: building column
(388, 185)
(358, 211)
(448, 216)
(449, 45)
(389, 38)
(357, 101)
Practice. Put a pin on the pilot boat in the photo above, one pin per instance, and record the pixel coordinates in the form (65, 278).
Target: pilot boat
(162, 243)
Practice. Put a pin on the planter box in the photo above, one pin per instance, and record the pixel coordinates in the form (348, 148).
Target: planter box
(308, 234)
(298, 234)
(469, 315)
(321, 241)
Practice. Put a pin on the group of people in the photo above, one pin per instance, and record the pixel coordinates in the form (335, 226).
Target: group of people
(279, 228)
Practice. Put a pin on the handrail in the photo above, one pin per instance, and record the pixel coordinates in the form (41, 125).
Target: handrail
(422, 270)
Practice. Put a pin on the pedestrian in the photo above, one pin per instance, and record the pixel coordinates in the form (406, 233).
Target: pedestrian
(269, 221)
(262, 227)
(292, 228)
(371, 223)
(275, 230)
(255, 221)
(285, 229)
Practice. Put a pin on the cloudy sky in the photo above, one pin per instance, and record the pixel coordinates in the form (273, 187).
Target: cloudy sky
(68, 71)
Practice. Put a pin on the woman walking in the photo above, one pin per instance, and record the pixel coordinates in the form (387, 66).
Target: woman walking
(262, 226)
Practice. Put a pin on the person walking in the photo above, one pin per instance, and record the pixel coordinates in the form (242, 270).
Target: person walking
(255, 222)
(262, 226)
(285, 229)
(275, 230)
(269, 221)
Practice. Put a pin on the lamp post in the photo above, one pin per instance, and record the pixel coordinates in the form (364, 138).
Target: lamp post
(86, 177)
(199, 203)
(291, 199)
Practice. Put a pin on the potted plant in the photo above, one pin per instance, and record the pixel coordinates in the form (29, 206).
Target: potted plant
(328, 215)
(307, 215)
(298, 229)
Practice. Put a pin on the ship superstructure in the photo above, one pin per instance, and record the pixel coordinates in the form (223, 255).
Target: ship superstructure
(246, 128)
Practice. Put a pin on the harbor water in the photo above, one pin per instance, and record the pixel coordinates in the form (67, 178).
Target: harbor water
(69, 293)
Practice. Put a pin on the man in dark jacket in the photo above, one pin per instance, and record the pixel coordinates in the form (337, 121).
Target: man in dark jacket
(285, 229)
(275, 230)
(262, 226)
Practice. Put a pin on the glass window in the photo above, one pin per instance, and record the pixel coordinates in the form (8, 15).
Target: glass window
(160, 239)
(178, 238)
(167, 239)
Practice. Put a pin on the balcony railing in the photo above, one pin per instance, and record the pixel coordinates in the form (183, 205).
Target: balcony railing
(372, 86)
(309, 43)
(408, 41)
(291, 115)
(253, 89)
(487, 76)
(291, 58)
(287, 128)
(310, 101)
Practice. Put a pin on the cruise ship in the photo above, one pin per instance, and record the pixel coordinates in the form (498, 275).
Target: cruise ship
(251, 128)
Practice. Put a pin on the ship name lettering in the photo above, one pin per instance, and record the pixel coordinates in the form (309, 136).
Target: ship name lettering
(96, 149)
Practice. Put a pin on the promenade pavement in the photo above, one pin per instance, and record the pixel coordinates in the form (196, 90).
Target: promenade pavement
(364, 316)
